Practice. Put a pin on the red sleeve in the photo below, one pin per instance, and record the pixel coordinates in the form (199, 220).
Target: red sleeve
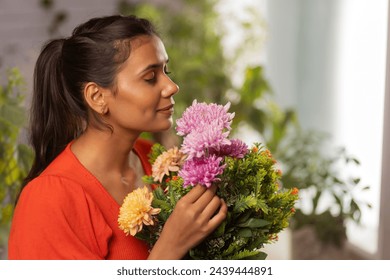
(55, 219)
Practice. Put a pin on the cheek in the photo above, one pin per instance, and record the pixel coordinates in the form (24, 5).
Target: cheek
(138, 110)
(137, 98)
(139, 103)
(146, 102)
(146, 107)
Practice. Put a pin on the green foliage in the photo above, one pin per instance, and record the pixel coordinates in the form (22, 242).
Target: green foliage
(15, 158)
(255, 87)
(257, 208)
(157, 149)
(313, 168)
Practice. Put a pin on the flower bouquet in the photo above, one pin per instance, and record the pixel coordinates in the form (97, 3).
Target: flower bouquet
(247, 180)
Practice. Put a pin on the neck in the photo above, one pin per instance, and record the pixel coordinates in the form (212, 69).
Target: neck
(109, 158)
(103, 151)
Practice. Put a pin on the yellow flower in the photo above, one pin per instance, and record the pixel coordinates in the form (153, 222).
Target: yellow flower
(136, 211)
(170, 160)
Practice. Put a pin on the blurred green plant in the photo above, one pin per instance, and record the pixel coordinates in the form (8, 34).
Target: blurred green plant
(15, 157)
(324, 174)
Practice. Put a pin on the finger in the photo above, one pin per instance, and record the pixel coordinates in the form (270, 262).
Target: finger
(206, 197)
(209, 210)
(194, 194)
(218, 218)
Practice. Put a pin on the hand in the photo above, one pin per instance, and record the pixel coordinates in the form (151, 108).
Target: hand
(192, 220)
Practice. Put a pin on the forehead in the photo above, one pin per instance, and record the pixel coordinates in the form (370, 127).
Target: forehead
(147, 50)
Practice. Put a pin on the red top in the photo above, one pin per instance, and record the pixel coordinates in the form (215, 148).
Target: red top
(66, 213)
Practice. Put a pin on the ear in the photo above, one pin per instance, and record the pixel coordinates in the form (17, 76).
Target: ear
(94, 96)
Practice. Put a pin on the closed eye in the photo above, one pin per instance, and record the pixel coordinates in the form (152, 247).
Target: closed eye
(150, 77)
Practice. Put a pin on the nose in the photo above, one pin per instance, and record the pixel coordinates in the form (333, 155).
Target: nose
(170, 89)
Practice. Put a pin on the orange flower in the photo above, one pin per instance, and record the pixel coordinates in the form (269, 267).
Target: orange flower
(170, 160)
(294, 191)
(136, 211)
(267, 153)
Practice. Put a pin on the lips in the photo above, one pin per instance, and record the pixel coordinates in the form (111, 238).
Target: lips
(167, 108)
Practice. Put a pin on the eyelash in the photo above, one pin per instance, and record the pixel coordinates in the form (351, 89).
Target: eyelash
(153, 80)
(166, 71)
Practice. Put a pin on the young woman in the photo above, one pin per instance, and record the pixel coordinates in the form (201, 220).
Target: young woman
(94, 94)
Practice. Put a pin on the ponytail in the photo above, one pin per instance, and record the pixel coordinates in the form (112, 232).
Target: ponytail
(55, 118)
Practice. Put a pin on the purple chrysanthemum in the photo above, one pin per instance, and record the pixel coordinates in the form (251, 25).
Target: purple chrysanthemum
(203, 171)
(236, 148)
(198, 142)
(199, 115)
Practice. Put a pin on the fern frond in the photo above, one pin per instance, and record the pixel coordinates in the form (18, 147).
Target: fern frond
(243, 203)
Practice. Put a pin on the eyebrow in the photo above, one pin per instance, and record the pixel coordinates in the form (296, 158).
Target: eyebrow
(154, 66)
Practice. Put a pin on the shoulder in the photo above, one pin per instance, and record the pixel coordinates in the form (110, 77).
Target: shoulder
(53, 212)
(50, 196)
(66, 165)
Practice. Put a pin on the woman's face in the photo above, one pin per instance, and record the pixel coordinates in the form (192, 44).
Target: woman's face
(144, 97)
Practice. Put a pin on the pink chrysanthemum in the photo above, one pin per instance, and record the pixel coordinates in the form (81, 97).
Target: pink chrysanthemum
(199, 115)
(198, 142)
(236, 148)
(203, 171)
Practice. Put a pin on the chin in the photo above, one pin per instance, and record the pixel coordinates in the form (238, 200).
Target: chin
(163, 127)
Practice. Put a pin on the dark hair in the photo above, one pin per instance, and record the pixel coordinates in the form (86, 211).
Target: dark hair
(93, 53)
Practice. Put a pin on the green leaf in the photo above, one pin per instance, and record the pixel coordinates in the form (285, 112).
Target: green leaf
(254, 223)
(244, 217)
(245, 233)
(158, 193)
(248, 255)
(254, 84)
(220, 230)
(244, 203)
(157, 203)
(259, 256)
(262, 205)
(156, 150)
(356, 181)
